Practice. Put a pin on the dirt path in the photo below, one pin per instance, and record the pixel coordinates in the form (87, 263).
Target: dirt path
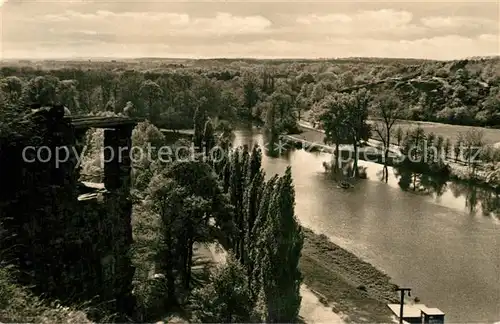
(311, 310)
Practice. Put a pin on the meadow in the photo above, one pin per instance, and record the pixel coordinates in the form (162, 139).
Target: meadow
(491, 135)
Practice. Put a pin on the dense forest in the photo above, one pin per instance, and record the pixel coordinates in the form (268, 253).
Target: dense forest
(180, 206)
(463, 92)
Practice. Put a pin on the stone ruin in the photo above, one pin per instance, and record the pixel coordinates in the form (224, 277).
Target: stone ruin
(69, 240)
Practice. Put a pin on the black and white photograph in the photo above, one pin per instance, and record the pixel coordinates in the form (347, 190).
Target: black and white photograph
(197, 161)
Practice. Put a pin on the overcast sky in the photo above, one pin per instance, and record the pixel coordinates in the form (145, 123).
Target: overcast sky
(429, 29)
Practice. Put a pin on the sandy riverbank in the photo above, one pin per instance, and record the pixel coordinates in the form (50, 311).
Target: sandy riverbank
(353, 287)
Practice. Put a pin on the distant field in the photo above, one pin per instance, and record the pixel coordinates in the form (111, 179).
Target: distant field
(491, 136)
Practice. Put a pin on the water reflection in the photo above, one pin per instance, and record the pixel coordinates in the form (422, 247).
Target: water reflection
(476, 199)
(421, 183)
(423, 238)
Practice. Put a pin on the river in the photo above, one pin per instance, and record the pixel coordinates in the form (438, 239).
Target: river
(441, 245)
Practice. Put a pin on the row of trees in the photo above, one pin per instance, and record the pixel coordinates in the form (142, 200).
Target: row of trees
(266, 243)
(183, 203)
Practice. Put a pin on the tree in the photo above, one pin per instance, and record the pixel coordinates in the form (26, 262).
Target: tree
(252, 200)
(254, 184)
(92, 157)
(283, 119)
(95, 100)
(356, 121)
(281, 277)
(166, 201)
(430, 147)
(208, 137)
(257, 245)
(68, 95)
(151, 93)
(388, 109)
(473, 143)
(129, 109)
(457, 149)
(186, 196)
(271, 119)
(237, 187)
(250, 90)
(12, 87)
(399, 135)
(333, 115)
(226, 298)
(447, 147)
(41, 90)
(200, 118)
(440, 146)
(149, 139)
(230, 105)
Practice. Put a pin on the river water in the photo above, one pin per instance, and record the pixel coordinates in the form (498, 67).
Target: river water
(445, 245)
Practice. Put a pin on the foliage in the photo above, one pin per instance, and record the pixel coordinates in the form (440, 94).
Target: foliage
(345, 121)
(421, 153)
(334, 113)
(19, 305)
(281, 277)
(226, 298)
(462, 92)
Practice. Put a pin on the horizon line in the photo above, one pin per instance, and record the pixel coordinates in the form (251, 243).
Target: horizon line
(242, 58)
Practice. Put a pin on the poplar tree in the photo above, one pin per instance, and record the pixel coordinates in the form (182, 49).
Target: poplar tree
(281, 277)
(252, 200)
(255, 164)
(208, 138)
(199, 125)
(236, 193)
(257, 244)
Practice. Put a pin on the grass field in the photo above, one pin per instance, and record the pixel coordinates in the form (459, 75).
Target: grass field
(491, 136)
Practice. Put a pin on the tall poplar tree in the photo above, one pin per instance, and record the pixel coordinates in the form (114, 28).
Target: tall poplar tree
(280, 268)
(257, 244)
(199, 125)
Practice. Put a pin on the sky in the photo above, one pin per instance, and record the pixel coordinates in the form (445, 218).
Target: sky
(265, 29)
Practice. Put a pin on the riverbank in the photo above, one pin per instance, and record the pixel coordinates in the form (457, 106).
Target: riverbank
(458, 170)
(355, 289)
(336, 281)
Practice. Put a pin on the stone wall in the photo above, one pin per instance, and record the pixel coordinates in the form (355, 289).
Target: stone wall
(69, 249)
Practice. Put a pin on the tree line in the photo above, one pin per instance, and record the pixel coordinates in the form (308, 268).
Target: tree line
(463, 92)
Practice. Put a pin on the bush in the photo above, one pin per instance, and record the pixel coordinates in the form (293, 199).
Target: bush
(18, 305)
(226, 299)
